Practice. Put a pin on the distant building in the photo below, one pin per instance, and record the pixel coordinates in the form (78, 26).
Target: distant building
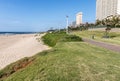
(73, 24)
(105, 8)
(79, 18)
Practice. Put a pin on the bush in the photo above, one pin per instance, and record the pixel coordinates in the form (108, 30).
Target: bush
(52, 38)
(118, 26)
(71, 38)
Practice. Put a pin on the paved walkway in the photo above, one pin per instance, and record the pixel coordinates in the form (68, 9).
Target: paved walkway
(108, 46)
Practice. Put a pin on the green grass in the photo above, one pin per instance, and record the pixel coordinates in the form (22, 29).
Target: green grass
(114, 36)
(51, 39)
(12, 68)
(71, 61)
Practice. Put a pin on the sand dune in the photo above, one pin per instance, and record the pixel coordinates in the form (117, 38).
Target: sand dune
(15, 47)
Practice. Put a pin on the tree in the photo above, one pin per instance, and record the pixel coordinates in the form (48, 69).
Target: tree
(98, 22)
(112, 21)
(103, 22)
(107, 30)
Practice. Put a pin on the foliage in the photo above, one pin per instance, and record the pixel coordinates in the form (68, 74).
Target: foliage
(110, 21)
(71, 38)
(98, 22)
(78, 28)
(117, 25)
(52, 38)
(14, 67)
(114, 37)
(82, 27)
(107, 30)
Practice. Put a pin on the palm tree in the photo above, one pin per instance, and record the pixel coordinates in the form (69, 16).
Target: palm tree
(103, 22)
(112, 20)
(98, 22)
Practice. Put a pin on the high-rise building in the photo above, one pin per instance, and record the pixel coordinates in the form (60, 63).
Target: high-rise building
(105, 8)
(73, 24)
(79, 18)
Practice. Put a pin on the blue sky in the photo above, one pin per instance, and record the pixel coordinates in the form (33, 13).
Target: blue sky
(41, 15)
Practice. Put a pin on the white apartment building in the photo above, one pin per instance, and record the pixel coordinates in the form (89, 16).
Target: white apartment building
(105, 8)
(79, 18)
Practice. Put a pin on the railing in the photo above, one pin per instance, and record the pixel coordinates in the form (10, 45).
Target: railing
(91, 27)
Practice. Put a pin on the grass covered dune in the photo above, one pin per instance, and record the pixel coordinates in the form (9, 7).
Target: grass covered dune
(70, 61)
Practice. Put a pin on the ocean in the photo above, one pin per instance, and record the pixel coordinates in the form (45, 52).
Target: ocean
(14, 33)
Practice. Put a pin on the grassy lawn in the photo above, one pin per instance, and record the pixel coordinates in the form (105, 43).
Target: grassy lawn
(115, 36)
(71, 61)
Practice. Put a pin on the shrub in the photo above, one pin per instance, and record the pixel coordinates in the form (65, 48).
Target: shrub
(52, 38)
(118, 26)
(71, 38)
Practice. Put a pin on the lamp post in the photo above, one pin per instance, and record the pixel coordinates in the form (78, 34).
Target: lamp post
(67, 25)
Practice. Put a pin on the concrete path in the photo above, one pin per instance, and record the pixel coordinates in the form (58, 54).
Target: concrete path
(108, 46)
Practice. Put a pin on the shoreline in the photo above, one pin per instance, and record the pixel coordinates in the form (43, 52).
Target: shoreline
(16, 47)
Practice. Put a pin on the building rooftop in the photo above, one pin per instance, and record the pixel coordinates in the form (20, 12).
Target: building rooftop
(80, 13)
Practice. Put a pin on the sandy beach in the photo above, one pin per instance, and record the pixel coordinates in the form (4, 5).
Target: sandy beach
(15, 47)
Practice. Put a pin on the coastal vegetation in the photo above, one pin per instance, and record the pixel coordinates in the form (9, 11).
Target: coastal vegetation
(114, 37)
(52, 38)
(14, 67)
(67, 61)
(106, 36)
(110, 21)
